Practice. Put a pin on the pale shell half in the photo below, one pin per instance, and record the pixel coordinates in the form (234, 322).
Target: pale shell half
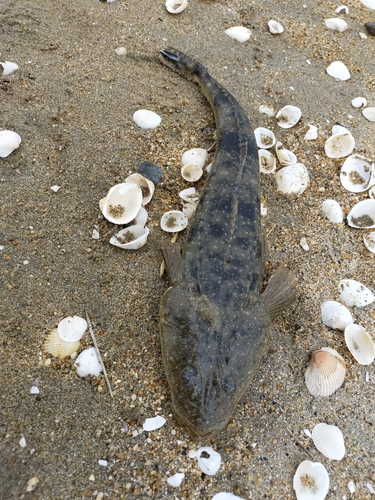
(358, 102)
(275, 27)
(239, 33)
(369, 241)
(354, 293)
(191, 172)
(88, 363)
(72, 328)
(264, 137)
(369, 113)
(122, 203)
(329, 440)
(356, 173)
(336, 24)
(285, 156)
(176, 6)
(144, 183)
(8, 67)
(211, 464)
(267, 161)
(362, 215)
(288, 116)
(311, 481)
(325, 373)
(131, 238)
(312, 133)
(360, 344)
(173, 221)
(335, 315)
(146, 119)
(197, 156)
(339, 145)
(338, 70)
(293, 179)
(332, 210)
(189, 195)
(9, 141)
(57, 347)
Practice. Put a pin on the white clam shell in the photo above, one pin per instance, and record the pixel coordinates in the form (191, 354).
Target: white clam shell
(371, 193)
(328, 439)
(141, 217)
(275, 27)
(59, 348)
(304, 244)
(293, 179)
(325, 373)
(189, 209)
(369, 241)
(336, 24)
(122, 203)
(285, 156)
(360, 344)
(9, 141)
(357, 173)
(176, 6)
(362, 215)
(369, 114)
(339, 144)
(239, 33)
(176, 479)
(8, 67)
(173, 221)
(370, 4)
(191, 172)
(335, 315)
(358, 102)
(153, 423)
(131, 238)
(72, 328)
(311, 481)
(332, 211)
(312, 133)
(266, 110)
(267, 161)
(264, 137)
(144, 183)
(338, 70)
(354, 293)
(88, 363)
(189, 195)
(197, 156)
(211, 464)
(288, 116)
(146, 119)
(342, 8)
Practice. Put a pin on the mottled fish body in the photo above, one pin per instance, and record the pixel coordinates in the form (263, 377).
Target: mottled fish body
(213, 319)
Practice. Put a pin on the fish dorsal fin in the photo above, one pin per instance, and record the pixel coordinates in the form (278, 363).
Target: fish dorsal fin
(281, 291)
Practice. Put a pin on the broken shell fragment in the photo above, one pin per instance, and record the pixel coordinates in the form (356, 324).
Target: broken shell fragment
(335, 315)
(288, 116)
(354, 293)
(342, 8)
(9, 141)
(328, 439)
(57, 347)
(338, 70)
(285, 156)
(340, 144)
(197, 156)
(208, 464)
(176, 479)
(264, 137)
(176, 6)
(312, 133)
(189, 195)
(311, 481)
(191, 172)
(325, 373)
(88, 363)
(362, 215)
(141, 217)
(336, 24)
(189, 209)
(275, 27)
(239, 33)
(369, 241)
(356, 173)
(293, 179)
(369, 114)
(267, 161)
(122, 203)
(266, 110)
(8, 67)
(144, 183)
(332, 210)
(131, 238)
(146, 119)
(360, 344)
(358, 102)
(173, 221)
(153, 423)
(72, 328)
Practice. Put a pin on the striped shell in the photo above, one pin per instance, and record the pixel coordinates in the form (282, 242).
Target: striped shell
(57, 347)
(325, 373)
(329, 440)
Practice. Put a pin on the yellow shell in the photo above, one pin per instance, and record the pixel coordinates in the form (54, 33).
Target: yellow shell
(57, 347)
(325, 373)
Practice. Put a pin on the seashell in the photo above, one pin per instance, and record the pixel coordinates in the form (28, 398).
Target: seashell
(340, 144)
(8, 67)
(239, 33)
(369, 114)
(191, 172)
(208, 167)
(57, 347)
(342, 8)
(211, 464)
(285, 156)
(266, 110)
(122, 203)
(304, 244)
(32, 484)
(267, 161)
(146, 119)
(370, 4)
(131, 238)
(351, 487)
(88, 363)
(189, 209)
(332, 211)
(141, 217)
(339, 129)
(293, 179)
(120, 51)
(176, 6)
(264, 137)
(154, 423)
(9, 141)
(144, 183)
(358, 102)
(369, 241)
(176, 479)
(335, 315)
(312, 133)
(371, 193)
(338, 70)
(356, 173)
(275, 27)
(189, 195)
(354, 293)
(325, 373)
(311, 481)
(173, 221)
(288, 116)
(72, 328)
(328, 439)
(197, 156)
(336, 24)
(223, 495)
(362, 215)
(360, 344)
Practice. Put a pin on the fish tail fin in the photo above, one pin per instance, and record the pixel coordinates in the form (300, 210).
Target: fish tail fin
(281, 291)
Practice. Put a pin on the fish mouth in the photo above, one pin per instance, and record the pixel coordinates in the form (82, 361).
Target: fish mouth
(197, 430)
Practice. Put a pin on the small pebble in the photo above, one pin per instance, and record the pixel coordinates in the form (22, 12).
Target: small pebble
(92, 477)
(150, 171)
(31, 484)
(104, 463)
(370, 26)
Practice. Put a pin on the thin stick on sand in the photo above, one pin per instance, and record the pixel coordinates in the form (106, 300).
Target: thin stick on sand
(98, 353)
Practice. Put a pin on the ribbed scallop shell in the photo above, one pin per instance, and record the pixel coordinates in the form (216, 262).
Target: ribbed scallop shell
(293, 179)
(325, 373)
(329, 440)
(57, 347)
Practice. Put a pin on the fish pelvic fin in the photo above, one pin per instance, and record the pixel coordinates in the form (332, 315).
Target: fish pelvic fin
(281, 292)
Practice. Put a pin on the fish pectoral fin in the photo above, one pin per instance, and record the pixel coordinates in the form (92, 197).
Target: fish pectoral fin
(173, 261)
(281, 291)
